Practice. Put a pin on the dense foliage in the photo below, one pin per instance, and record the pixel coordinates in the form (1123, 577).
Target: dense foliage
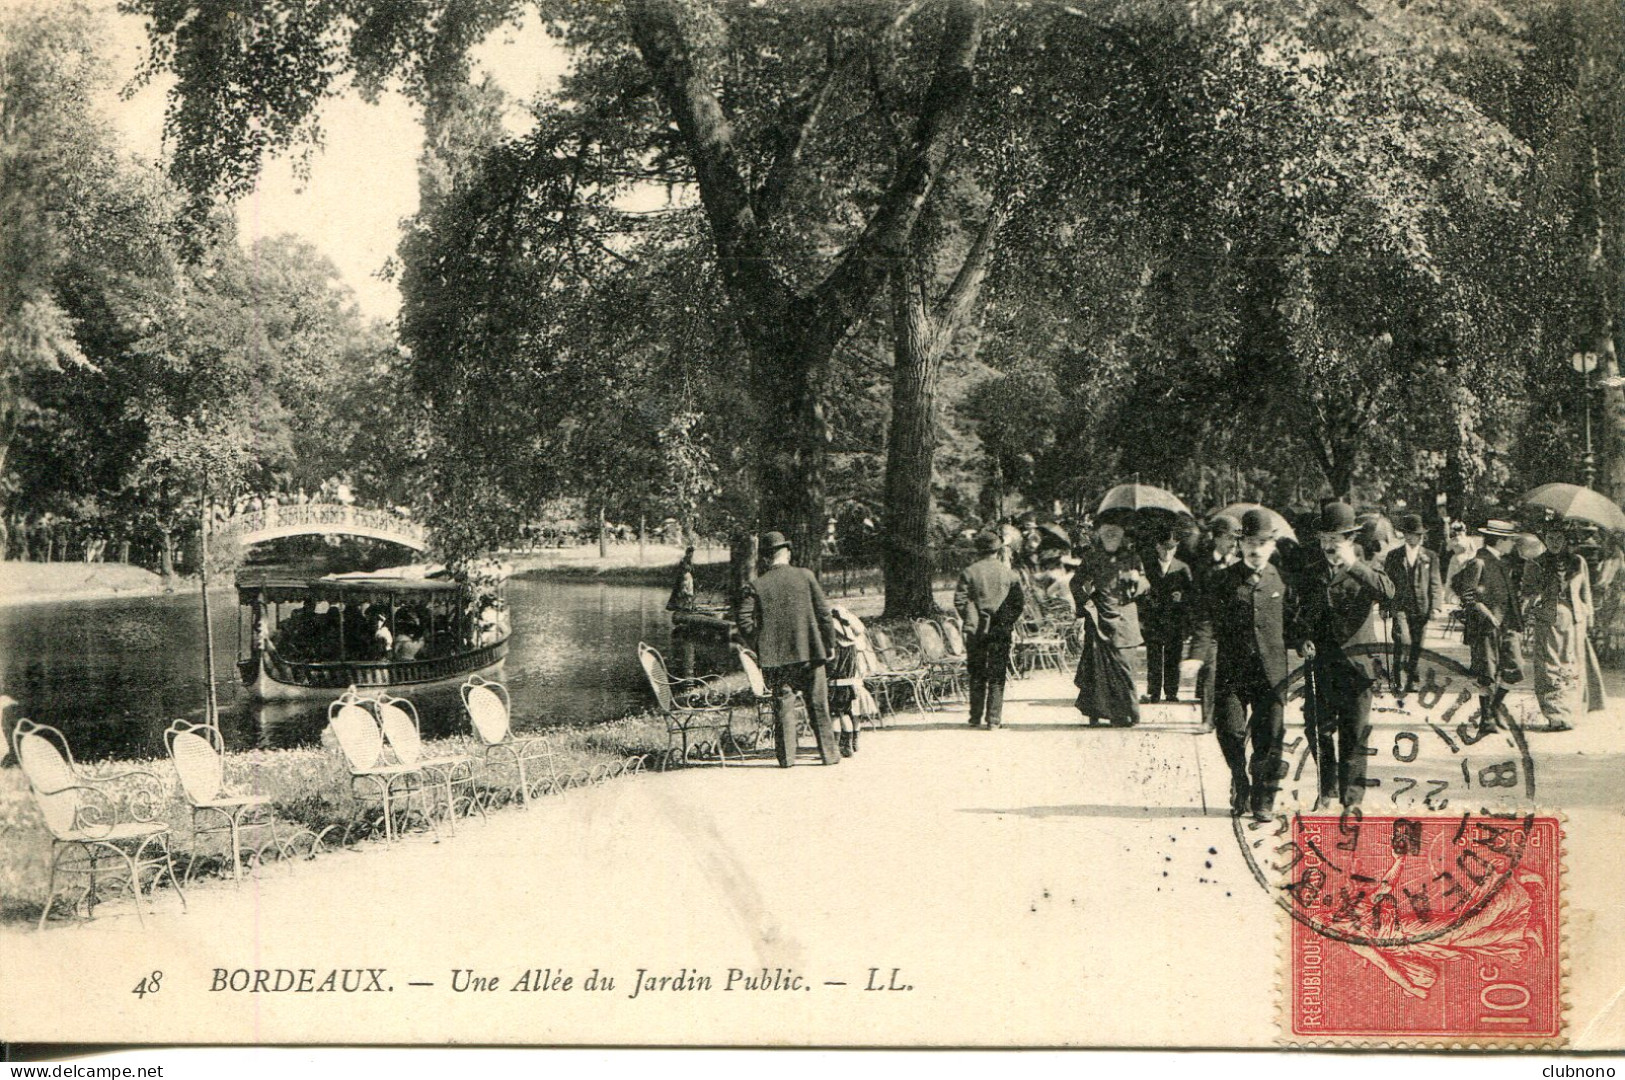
(919, 263)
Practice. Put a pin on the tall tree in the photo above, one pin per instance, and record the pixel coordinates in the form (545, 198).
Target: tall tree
(743, 149)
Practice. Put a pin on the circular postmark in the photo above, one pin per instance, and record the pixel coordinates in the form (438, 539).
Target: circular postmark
(1447, 806)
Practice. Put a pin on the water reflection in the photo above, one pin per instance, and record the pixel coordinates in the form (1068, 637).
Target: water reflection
(113, 673)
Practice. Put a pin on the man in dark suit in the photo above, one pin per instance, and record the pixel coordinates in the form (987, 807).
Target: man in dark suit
(989, 601)
(1162, 615)
(785, 612)
(1418, 589)
(1338, 599)
(1490, 613)
(1251, 602)
(1207, 570)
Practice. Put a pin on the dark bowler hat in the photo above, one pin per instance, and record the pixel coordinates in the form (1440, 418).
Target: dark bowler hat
(1257, 525)
(989, 542)
(1337, 519)
(1411, 523)
(773, 541)
(1221, 526)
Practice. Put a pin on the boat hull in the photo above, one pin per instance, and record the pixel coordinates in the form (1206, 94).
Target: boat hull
(702, 623)
(271, 678)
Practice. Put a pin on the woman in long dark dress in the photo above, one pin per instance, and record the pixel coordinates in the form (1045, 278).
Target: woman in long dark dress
(1106, 589)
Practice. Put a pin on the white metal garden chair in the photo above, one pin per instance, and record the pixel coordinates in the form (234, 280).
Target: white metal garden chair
(398, 718)
(490, 714)
(199, 757)
(373, 771)
(98, 821)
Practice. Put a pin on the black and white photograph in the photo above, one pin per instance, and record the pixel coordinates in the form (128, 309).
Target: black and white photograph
(826, 524)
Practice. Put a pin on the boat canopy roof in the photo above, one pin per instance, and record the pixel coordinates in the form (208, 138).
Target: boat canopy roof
(282, 588)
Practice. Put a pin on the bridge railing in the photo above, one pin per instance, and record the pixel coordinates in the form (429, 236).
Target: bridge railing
(316, 515)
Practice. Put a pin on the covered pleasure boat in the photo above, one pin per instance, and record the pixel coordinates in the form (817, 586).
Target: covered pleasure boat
(398, 629)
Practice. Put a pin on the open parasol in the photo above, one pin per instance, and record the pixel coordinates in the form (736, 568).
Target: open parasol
(1571, 502)
(1235, 510)
(1137, 497)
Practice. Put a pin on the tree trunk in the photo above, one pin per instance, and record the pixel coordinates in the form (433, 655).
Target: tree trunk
(921, 338)
(1345, 455)
(791, 474)
(741, 566)
(166, 561)
(603, 534)
(911, 446)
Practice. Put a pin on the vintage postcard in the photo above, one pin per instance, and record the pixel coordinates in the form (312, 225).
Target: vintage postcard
(894, 524)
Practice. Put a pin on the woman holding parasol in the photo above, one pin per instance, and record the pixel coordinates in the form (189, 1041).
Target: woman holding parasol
(1557, 601)
(1105, 591)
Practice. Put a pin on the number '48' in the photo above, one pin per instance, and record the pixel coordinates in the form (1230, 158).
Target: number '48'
(148, 985)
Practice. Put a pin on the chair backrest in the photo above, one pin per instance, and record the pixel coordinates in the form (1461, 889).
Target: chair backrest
(48, 764)
(196, 751)
(752, 670)
(932, 647)
(399, 720)
(356, 729)
(953, 635)
(654, 666)
(486, 703)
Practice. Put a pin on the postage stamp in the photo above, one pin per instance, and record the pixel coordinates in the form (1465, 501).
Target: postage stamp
(1468, 946)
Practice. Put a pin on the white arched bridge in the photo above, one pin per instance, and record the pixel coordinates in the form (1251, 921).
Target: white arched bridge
(301, 519)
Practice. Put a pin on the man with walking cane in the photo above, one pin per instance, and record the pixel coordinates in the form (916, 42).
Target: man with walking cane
(1251, 603)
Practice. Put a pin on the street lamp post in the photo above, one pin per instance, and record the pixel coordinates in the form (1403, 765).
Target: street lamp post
(1585, 363)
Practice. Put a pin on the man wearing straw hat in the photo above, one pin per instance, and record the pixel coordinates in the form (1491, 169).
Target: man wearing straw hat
(989, 601)
(1249, 607)
(1340, 598)
(1489, 615)
(785, 612)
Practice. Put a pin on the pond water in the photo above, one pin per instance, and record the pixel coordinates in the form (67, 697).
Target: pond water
(112, 674)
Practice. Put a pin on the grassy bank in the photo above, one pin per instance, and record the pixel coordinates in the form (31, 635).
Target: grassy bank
(31, 582)
(309, 789)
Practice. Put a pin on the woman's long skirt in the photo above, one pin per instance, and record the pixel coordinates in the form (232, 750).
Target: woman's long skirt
(1105, 684)
(1568, 678)
(1557, 662)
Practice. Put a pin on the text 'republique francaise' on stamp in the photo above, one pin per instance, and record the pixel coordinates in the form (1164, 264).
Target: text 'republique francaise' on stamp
(1430, 913)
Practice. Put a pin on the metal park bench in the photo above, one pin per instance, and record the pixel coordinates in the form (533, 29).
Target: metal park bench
(691, 708)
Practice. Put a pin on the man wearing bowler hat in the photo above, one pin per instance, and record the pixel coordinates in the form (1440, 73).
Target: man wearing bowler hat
(1418, 587)
(989, 600)
(1339, 598)
(1207, 564)
(785, 612)
(1250, 606)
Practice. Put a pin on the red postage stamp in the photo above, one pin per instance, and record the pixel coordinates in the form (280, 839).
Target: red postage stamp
(1431, 929)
